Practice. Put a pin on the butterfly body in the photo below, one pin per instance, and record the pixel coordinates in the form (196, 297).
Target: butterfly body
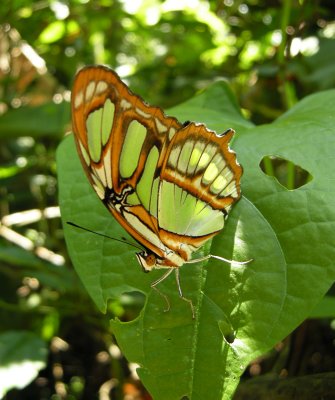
(170, 185)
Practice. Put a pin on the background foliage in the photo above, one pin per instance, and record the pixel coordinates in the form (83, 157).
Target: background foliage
(272, 54)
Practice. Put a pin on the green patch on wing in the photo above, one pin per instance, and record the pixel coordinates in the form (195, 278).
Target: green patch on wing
(145, 184)
(184, 214)
(99, 124)
(131, 149)
(107, 121)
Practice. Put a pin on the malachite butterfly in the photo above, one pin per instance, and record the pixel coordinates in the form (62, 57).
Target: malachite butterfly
(170, 185)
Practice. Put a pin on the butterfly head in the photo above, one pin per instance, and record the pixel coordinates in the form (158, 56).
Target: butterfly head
(149, 260)
(146, 260)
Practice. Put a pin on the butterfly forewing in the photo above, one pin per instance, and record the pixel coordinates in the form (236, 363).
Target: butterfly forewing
(121, 141)
(169, 185)
(115, 127)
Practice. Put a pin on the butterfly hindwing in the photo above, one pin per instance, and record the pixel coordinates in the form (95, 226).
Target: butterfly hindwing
(199, 184)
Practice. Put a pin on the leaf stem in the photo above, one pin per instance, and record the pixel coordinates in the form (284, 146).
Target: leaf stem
(290, 181)
(285, 86)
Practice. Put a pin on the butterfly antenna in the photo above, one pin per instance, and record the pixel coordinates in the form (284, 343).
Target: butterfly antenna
(103, 235)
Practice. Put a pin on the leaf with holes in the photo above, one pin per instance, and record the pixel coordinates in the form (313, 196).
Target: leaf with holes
(241, 311)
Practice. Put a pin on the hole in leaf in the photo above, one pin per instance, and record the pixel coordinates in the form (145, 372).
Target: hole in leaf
(128, 306)
(230, 338)
(227, 331)
(287, 173)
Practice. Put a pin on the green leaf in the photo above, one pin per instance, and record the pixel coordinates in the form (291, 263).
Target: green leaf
(324, 309)
(241, 311)
(22, 356)
(303, 219)
(219, 109)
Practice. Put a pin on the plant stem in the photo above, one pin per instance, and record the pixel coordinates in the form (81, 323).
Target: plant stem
(286, 88)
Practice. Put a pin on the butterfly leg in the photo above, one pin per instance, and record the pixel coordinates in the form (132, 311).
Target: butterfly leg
(204, 258)
(157, 282)
(189, 301)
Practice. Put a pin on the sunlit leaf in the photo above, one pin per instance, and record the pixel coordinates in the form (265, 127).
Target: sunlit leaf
(53, 32)
(241, 312)
(22, 356)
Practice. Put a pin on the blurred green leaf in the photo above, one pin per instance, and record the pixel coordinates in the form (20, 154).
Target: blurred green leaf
(22, 356)
(218, 115)
(27, 264)
(53, 32)
(47, 120)
(324, 309)
(9, 171)
(319, 69)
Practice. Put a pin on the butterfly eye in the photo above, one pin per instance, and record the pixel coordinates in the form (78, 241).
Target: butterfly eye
(150, 259)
